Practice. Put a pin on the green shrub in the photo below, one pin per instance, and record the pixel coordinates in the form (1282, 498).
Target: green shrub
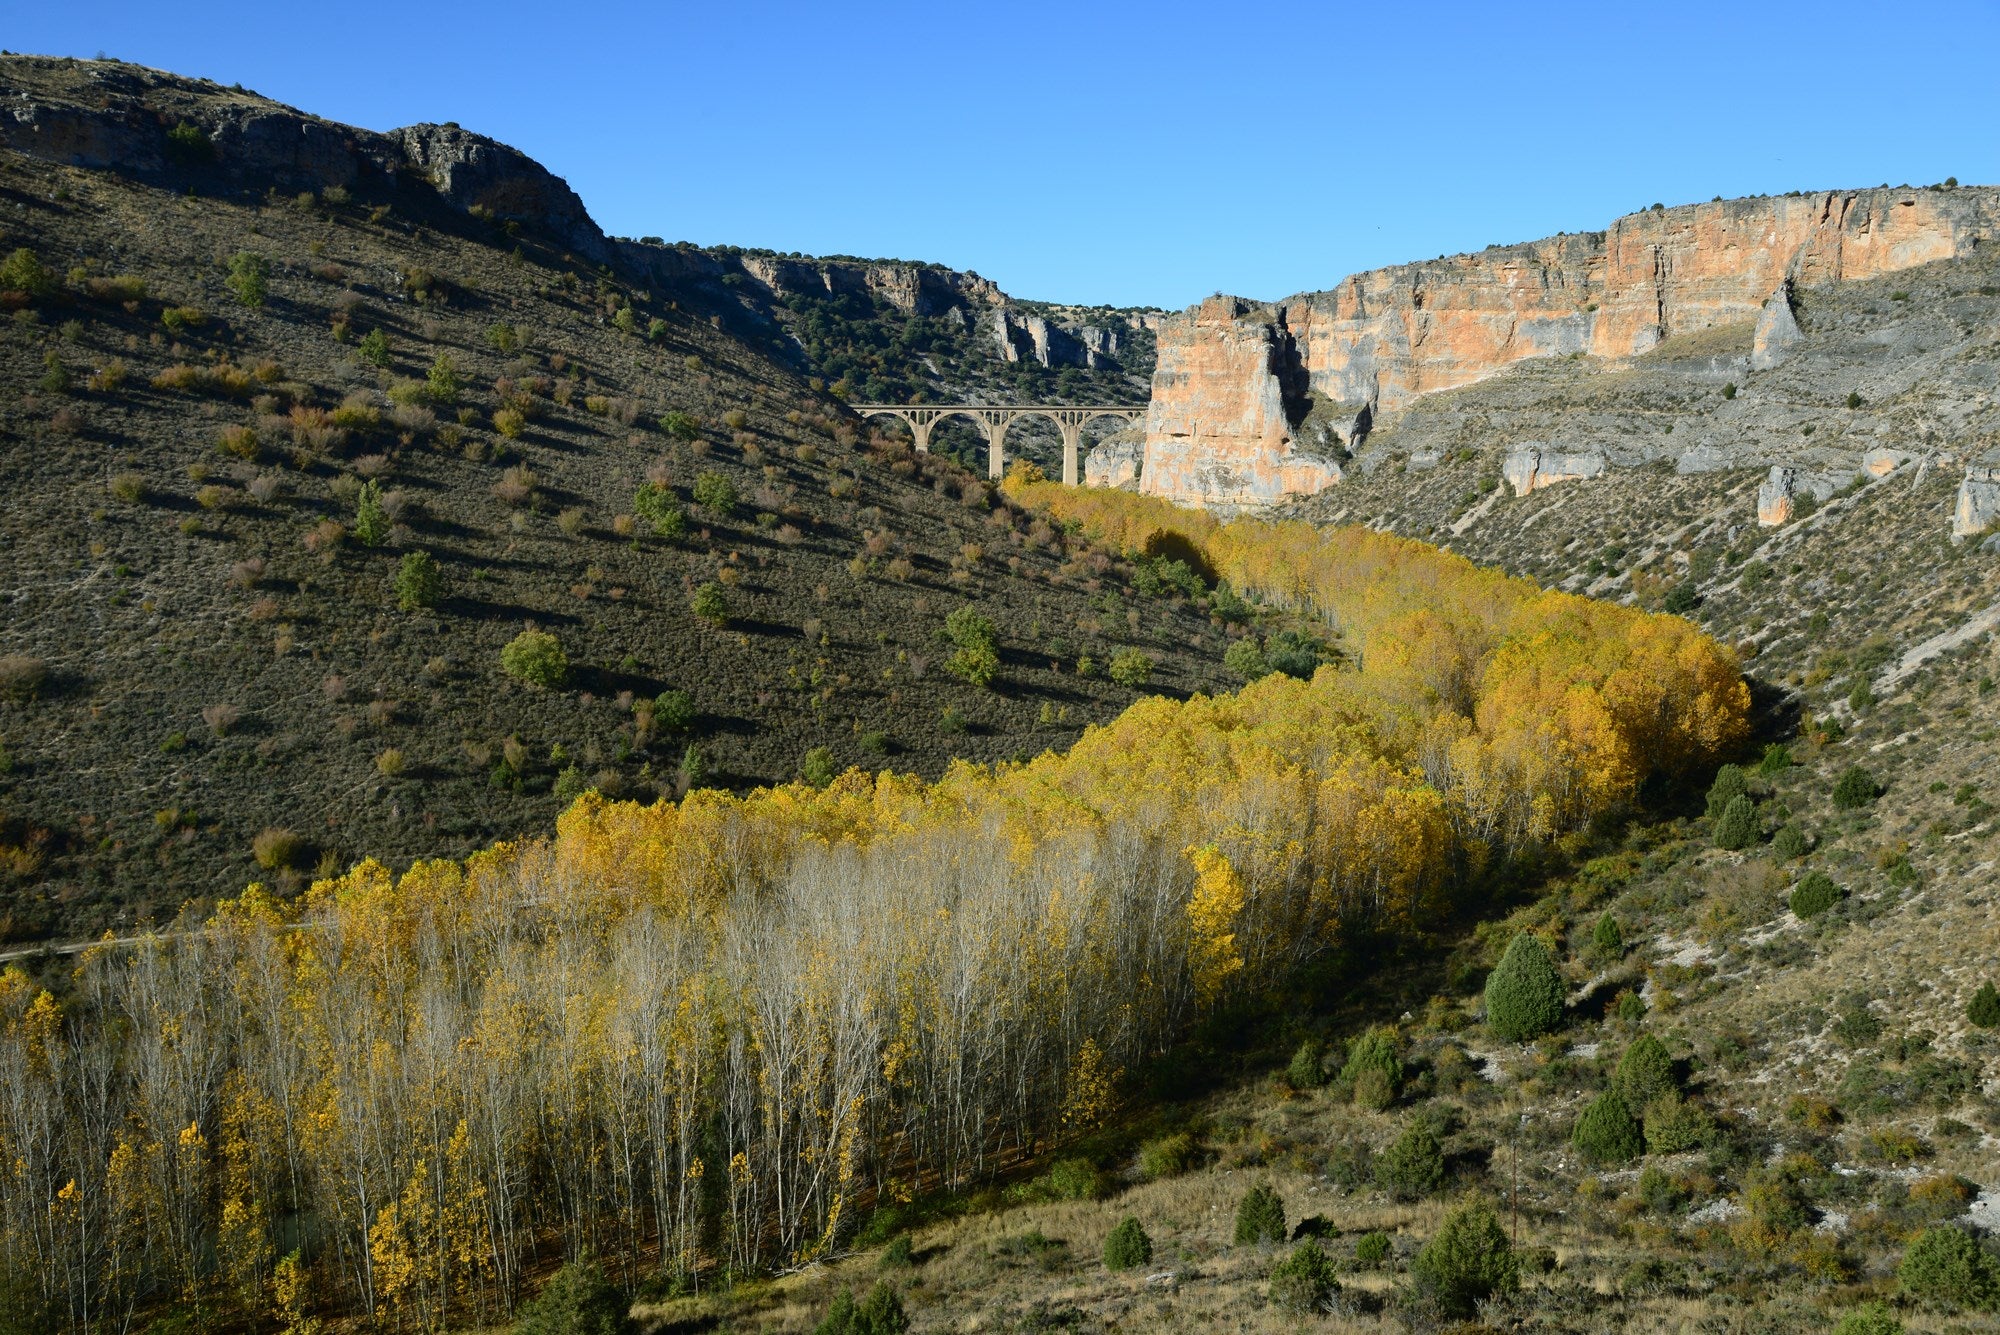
(1306, 1069)
(189, 145)
(880, 1313)
(536, 657)
(1127, 1246)
(249, 277)
(1645, 1072)
(656, 505)
(1658, 1191)
(715, 493)
(1815, 894)
(1067, 1180)
(1608, 1133)
(1855, 788)
(709, 604)
(1413, 1167)
(1984, 1008)
(1777, 759)
(1168, 1156)
(1738, 827)
(673, 711)
(1371, 1250)
(1303, 1283)
(819, 767)
(1674, 1125)
(570, 784)
(1681, 599)
(1790, 843)
(1730, 784)
(419, 581)
(1373, 1071)
(371, 525)
(442, 381)
(1524, 993)
(1246, 660)
(374, 349)
(1468, 1261)
(1131, 668)
(1260, 1216)
(22, 272)
(1869, 1319)
(1606, 941)
(898, 1254)
(577, 1300)
(976, 657)
(1945, 1267)
(680, 425)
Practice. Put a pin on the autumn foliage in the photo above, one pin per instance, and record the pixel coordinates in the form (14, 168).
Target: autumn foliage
(710, 1033)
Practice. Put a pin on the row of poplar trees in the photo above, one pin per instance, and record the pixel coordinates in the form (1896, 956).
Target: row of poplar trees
(703, 1037)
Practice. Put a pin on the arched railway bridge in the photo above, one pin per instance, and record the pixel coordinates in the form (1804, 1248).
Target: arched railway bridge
(995, 418)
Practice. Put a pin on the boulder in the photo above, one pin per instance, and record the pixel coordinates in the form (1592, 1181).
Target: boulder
(1978, 507)
(1774, 496)
(1882, 461)
(1531, 467)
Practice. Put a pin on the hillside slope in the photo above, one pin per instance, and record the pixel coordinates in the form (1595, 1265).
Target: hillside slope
(201, 648)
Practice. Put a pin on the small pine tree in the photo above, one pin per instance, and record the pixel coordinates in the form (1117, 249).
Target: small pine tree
(1815, 894)
(818, 768)
(419, 581)
(1524, 993)
(1645, 1072)
(371, 525)
(1373, 1071)
(1984, 1008)
(1371, 1250)
(1413, 1167)
(249, 278)
(709, 604)
(1790, 843)
(374, 348)
(1305, 1070)
(1608, 1133)
(1738, 827)
(1606, 940)
(1469, 1260)
(577, 1300)
(442, 380)
(1304, 1282)
(1730, 783)
(1946, 1267)
(1260, 1216)
(673, 711)
(1855, 788)
(1127, 1246)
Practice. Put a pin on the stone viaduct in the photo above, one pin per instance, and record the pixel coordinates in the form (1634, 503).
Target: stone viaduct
(995, 418)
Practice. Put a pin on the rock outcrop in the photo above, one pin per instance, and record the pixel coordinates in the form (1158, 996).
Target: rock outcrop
(1978, 506)
(1115, 461)
(1228, 391)
(913, 289)
(1022, 336)
(1381, 339)
(1530, 467)
(1774, 496)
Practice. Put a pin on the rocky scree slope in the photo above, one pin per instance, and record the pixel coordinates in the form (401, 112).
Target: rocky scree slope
(207, 675)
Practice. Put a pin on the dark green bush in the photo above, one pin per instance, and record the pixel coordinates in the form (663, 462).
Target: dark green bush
(1127, 1246)
(819, 767)
(976, 656)
(1468, 1261)
(1246, 659)
(709, 604)
(1855, 788)
(1738, 827)
(1373, 1072)
(536, 657)
(374, 349)
(1306, 1070)
(1524, 993)
(371, 525)
(680, 425)
(1945, 1267)
(1815, 894)
(22, 272)
(1645, 1072)
(1790, 843)
(577, 1300)
(1984, 1008)
(189, 145)
(1260, 1216)
(1777, 759)
(1413, 1167)
(1608, 1133)
(673, 711)
(1681, 599)
(1371, 1250)
(880, 1313)
(249, 277)
(898, 1255)
(1730, 783)
(1606, 941)
(1304, 1282)
(656, 505)
(419, 581)
(1869, 1319)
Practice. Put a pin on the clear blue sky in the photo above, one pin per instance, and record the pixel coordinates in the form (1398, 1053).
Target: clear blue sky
(1126, 153)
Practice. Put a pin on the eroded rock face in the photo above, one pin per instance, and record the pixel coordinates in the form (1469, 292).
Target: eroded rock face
(1115, 461)
(1882, 461)
(1381, 339)
(1227, 392)
(1531, 467)
(1774, 496)
(1978, 507)
(914, 289)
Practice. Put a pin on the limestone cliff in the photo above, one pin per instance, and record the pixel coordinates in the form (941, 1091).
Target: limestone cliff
(1381, 339)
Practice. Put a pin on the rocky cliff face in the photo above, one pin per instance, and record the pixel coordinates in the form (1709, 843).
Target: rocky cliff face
(1380, 340)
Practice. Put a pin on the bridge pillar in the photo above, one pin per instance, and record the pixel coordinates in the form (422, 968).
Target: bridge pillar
(920, 427)
(1072, 439)
(996, 440)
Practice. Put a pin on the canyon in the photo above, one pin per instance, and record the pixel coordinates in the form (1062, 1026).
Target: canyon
(1253, 403)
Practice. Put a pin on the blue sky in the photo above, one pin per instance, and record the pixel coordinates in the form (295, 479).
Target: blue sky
(1123, 153)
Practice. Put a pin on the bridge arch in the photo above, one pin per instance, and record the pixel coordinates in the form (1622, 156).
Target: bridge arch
(995, 418)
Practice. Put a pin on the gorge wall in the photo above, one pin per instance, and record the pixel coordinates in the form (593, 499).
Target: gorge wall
(1253, 403)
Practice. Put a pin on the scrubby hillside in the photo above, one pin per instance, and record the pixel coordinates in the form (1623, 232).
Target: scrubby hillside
(223, 351)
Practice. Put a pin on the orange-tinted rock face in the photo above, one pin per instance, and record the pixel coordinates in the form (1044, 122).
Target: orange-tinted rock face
(1382, 338)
